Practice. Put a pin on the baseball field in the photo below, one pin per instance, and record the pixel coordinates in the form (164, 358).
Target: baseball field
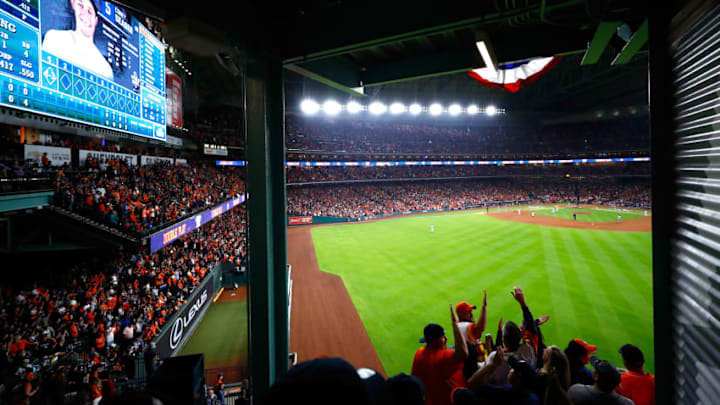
(592, 276)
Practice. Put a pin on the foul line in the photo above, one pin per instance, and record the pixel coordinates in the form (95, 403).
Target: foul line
(219, 294)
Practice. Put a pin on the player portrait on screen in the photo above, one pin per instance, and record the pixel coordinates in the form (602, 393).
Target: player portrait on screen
(77, 46)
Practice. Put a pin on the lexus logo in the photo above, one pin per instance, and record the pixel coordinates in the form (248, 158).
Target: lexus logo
(176, 333)
(178, 328)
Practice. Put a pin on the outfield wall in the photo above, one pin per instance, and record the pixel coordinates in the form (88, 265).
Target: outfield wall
(181, 325)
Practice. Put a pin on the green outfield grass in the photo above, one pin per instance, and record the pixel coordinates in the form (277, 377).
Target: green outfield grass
(222, 335)
(590, 215)
(595, 285)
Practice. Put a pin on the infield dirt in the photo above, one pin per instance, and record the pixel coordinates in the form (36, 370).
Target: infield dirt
(643, 224)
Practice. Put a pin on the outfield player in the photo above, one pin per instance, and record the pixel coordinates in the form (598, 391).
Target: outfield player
(619, 218)
(432, 228)
(472, 331)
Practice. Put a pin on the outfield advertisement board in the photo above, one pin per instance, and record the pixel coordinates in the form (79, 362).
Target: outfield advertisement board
(300, 220)
(151, 160)
(131, 160)
(168, 235)
(57, 156)
(178, 330)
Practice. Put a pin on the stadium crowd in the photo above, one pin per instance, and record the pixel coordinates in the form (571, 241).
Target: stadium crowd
(327, 174)
(368, 200)
(141, 198)
(365, 136)
(517, 367)
(83, 335)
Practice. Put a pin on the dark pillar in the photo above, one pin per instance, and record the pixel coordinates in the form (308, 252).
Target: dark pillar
(663, 180)
(266, 223)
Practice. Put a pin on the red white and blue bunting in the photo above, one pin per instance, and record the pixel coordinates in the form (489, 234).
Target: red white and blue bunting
(512, 77)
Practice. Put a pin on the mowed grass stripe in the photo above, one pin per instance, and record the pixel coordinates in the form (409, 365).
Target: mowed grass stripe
(580, 292)
(631, 281)
(401, 276)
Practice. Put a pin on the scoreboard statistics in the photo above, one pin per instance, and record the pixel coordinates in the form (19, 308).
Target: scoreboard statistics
(88, 61)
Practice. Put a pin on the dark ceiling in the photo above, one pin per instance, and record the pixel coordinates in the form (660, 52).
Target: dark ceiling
(420, 51)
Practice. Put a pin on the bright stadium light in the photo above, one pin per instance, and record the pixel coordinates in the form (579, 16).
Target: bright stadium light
(353, 107)
(331, 107)
(436, 109)
(397, 108)
(455, 109)
(490, 110)
(377, 108)
(415, 109)
(472, 109)
(309, 107)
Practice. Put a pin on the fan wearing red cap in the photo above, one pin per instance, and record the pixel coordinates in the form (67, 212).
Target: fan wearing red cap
(472, 331)
(578, 353)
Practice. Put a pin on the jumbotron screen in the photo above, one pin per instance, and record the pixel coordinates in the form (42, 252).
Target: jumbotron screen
(82, 60)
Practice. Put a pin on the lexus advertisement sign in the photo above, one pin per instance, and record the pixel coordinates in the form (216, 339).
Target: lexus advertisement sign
(177, 332)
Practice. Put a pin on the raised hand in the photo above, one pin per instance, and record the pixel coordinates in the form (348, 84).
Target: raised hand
(453, 316)
(517, 293)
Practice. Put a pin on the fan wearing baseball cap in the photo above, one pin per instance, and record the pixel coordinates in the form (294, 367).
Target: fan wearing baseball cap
(636, 383)
(578, 353)
(472, 331)
(440, 368)
(602, 391)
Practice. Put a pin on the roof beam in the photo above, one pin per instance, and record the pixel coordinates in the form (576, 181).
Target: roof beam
(637, 41)
(338, 73)
(421, 67)
(331, 45)
(603, 34)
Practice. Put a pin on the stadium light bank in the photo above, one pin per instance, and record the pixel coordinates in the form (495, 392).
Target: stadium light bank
(377, 108)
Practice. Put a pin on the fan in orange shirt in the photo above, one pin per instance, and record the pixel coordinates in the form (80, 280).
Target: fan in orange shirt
(635, 383)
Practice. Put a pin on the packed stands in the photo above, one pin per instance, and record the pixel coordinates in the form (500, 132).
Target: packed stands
(104, 314)
(369, 200)
(335, 174)
(141, 198)
(365, 136)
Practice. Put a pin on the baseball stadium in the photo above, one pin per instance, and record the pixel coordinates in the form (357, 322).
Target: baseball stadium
(365, 203)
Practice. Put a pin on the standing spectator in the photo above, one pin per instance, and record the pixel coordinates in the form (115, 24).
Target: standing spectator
(512, 338)
(472, 331)
(605, 379)
(553, 379)
(149, 358)
(636, 383)
(518, 391)
(440, 369)
(578, 353)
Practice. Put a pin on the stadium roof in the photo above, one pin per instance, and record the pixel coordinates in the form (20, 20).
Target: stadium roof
(423, 49)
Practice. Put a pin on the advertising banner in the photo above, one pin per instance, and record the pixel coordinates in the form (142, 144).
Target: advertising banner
(151, 160)
(173, 86)
(181, 162)
(105, 156)
(215, 150)
(178, 330)
(168, 235)
(300, 220)
(173, 140)
(57, 156)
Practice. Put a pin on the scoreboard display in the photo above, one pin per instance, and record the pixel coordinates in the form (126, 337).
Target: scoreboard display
(87, 61)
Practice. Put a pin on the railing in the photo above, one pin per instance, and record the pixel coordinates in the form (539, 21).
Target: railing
(231, 375)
